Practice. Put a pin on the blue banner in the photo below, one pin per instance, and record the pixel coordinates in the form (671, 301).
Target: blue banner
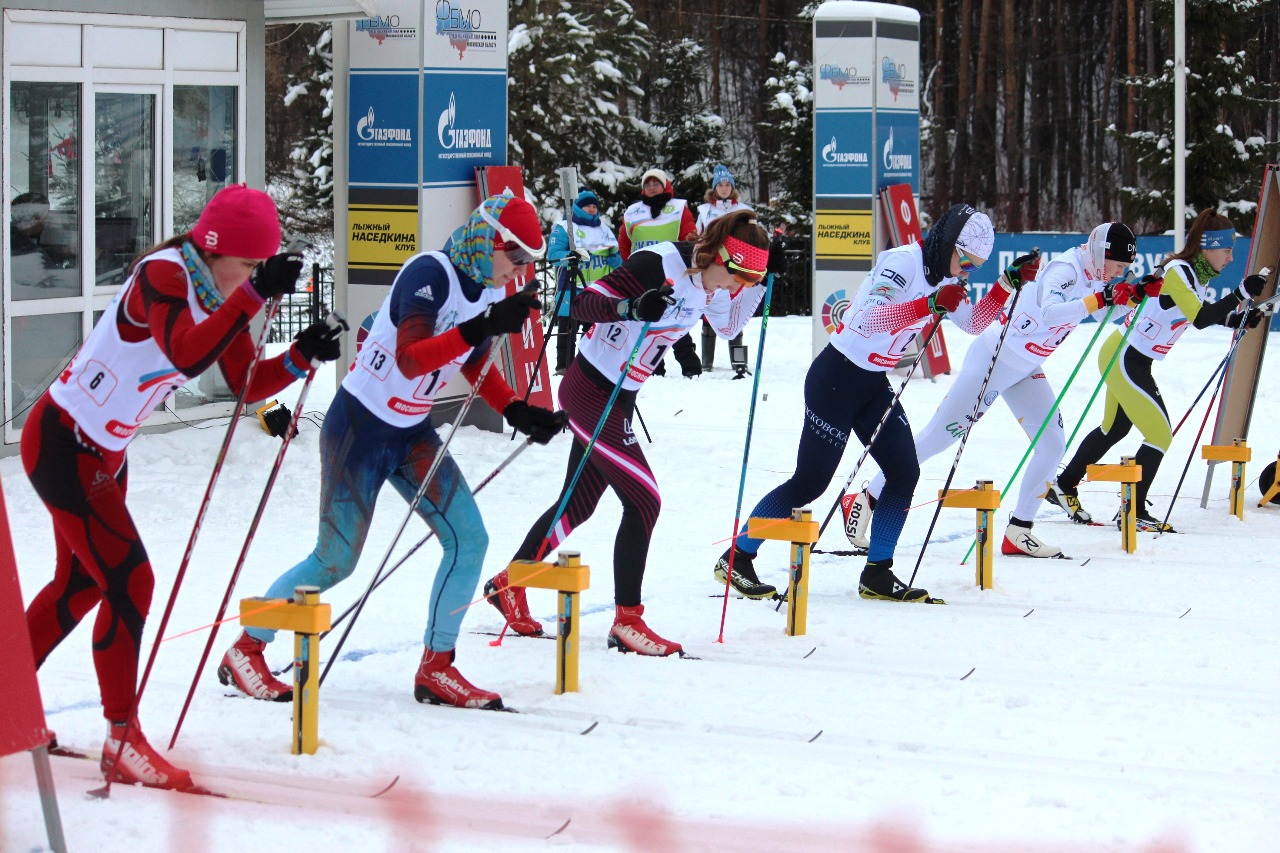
(384, 122)
(898, 147)
(464, 119)
(843, 165)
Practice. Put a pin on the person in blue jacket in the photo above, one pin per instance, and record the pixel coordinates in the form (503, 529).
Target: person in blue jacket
(591, 253)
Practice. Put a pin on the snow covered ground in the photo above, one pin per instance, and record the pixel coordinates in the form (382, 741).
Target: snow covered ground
(1132, 703)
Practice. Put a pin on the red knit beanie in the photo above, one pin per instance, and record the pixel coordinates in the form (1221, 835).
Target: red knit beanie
(240, 222)
(522, 220)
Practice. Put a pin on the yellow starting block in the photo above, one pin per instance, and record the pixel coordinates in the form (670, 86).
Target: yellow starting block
(569, 577)
(802, 532)
(1127, 473)
(307, 618)
(986, 500)
(1237, 453)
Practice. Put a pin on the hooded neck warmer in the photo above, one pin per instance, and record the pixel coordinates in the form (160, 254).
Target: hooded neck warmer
(940, 242)
(581, 217)
(656, 202)
(470, 248)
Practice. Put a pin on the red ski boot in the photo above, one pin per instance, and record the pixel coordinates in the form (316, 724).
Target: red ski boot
(630, 634)
(244, 667)
(512, 604)
(439, 683)
(139, 763)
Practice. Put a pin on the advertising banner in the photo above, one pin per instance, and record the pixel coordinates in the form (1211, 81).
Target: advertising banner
(465, 121)
(382, 136)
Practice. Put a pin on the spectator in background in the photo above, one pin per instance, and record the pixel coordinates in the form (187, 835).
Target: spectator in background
(597, 252)
(659, 217)
(722, 198)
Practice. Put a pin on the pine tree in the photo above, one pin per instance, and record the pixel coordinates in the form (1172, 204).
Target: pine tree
(1226, 118)
(310, 93)
(572, 71)
(684, 136)
(788, 153)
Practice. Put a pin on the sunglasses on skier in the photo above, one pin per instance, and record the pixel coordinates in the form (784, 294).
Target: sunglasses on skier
(517, 250)
(967, 263)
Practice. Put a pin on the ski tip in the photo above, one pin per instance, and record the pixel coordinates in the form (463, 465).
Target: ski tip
(969, 673)
(390, 785)
(932, 600)
(588, 730)
(1086, 562)
(811, 651)
(1028, 613)
(818, 735)
(562, 828)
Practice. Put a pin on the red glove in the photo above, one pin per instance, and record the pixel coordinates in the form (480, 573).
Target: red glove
(947, 298)
(1149, 286)
(1123, 294)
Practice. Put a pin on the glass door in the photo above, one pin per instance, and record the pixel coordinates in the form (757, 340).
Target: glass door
(125, 196)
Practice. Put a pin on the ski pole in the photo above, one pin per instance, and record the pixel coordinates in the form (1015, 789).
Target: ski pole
(546, 340)
(643, 425)
(973, 421)
(524, 445)
(1102, 326)
(746, 452)
(1132, 323)
(595, 435)
(1236, 337)
(334, 322)
(413, 504)
(1221, 374)
(924, 347)
(273, 307)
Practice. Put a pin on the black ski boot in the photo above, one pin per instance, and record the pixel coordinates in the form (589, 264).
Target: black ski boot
(745, 582)
(879, 582)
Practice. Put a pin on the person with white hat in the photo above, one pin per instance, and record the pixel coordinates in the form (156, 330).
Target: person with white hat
(720, 199)
(1081, 282)
(659, 217)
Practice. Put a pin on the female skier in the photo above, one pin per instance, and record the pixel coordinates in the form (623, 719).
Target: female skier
(184, 306)
(665, 288)
(1132, 395)
(846, 390)
(1082, 281)
(439, 319)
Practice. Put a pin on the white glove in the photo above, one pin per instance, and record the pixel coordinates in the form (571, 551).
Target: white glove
(583, 255)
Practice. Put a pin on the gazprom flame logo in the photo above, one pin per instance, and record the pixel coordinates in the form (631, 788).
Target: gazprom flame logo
(364, 127)
(895, 162)
(833, 309)
(369, 132)
(832, 154)
(464, 138)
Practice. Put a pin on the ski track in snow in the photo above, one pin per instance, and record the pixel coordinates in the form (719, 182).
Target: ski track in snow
(1098, 706)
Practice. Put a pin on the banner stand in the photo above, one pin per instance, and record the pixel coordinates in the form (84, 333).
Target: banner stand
(22, 724)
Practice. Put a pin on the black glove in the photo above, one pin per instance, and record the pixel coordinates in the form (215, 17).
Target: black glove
(777, 256)
(648, 307)
(277, 275)
(500, 318)
(538, 423)
(321, 341)
(1254, 317)
(1011, 278)
(1251, 287)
